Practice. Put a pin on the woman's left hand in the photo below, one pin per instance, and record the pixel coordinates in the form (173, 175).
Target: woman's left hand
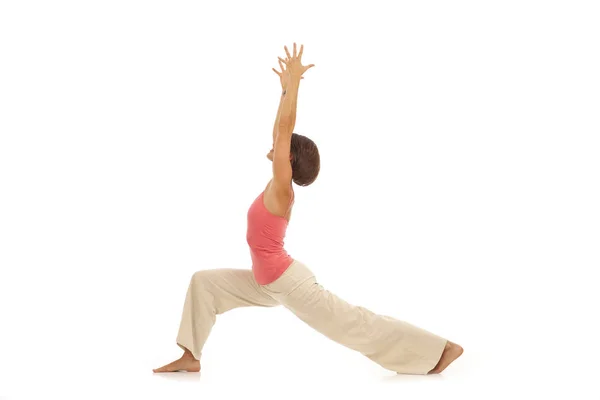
(283, 75)
(293, 66)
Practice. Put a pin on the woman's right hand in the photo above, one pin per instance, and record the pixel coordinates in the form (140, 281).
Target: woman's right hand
(283, 75)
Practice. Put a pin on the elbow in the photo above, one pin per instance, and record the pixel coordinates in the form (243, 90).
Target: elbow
(285, 127)
(285, 122)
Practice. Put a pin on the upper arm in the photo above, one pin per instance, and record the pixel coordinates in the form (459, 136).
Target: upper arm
(282, 167)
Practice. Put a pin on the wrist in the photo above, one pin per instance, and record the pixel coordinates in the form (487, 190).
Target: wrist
(294, 80)
(292, 84)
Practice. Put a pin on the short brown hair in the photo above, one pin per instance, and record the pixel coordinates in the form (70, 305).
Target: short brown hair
(306, 162)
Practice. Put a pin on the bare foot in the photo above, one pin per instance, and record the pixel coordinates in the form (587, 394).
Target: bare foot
(451, 352)
(187, 363)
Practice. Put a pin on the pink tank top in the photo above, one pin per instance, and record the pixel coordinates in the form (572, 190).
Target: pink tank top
(265, 236)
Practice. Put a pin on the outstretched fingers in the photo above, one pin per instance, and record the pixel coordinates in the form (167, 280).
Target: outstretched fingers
(280, 66)
(294, 61)
(295, 53)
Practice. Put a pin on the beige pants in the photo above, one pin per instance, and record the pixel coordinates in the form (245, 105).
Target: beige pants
(393, 344)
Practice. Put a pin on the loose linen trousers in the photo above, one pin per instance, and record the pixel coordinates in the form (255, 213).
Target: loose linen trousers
(393, 344)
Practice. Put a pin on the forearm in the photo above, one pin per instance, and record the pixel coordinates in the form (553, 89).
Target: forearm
(277, 117)
(287, 115)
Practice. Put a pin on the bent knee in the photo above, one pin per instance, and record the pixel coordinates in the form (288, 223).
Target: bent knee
(200, 278)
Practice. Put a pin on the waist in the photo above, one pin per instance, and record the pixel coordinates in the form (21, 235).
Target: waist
(268, 266)
(268, 258)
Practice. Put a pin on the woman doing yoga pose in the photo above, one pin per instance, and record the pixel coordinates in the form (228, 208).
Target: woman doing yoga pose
(278, 279)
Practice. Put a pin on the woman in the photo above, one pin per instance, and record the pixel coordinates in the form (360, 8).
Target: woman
(277, 279)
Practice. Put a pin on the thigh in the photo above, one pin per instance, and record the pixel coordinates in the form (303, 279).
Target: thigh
(232, 288)
(299, 291)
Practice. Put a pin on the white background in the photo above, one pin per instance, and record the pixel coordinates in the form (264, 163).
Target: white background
(459, 191)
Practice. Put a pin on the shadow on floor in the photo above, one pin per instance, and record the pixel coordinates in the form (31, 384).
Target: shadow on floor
(412, 378)
(180, 376)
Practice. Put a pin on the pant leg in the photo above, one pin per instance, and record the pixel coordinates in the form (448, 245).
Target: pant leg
(213, 292)
(395, 345)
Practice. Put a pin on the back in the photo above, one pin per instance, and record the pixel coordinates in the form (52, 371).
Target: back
(266, 238)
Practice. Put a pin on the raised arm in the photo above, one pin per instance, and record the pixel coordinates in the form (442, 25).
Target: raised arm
(284, 125)
(283, 80)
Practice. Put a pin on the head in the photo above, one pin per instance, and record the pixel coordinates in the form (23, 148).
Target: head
(304, 156)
